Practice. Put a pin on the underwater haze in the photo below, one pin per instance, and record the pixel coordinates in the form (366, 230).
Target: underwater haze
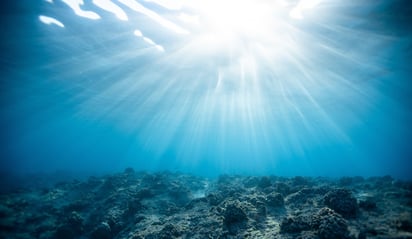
(282, 87)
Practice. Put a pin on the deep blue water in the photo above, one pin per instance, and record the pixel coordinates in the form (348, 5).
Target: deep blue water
(326, 95)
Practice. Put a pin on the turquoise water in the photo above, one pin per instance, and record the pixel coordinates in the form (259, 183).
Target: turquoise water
(314, 88)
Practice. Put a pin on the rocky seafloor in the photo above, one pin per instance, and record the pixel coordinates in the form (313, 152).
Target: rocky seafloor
(135, 205)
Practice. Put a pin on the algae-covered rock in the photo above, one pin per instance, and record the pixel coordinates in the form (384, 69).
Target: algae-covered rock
(264, 182)
(342, 202)
(234, 213)
(275, 200)
(295, 224)
(169, 231)
(137, 205)
(330, 225)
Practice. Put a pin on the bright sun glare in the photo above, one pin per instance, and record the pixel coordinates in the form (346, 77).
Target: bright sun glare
(229, 20)
(246, 25)
(244, 17)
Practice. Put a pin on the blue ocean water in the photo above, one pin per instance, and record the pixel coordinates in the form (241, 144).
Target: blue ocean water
(313, 88)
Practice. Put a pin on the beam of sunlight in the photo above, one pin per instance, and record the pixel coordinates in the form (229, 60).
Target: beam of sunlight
(139, 34)
(109, 6)
(75, 6)
(233, 19)
(192, 19)
(135, 6)
(171, 5)
(303, 5)
(50, 20)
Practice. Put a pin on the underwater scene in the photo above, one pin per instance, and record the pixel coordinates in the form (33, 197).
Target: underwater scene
(133, 119)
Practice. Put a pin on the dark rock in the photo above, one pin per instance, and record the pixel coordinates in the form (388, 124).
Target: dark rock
(110, 184)
(300, 181)
(350, 181)
(282, 188)
(64, 232)
(102, 231)
(214, 199)
(139, 218)
(264, 182)
(75, 221)
(144, 193)
(382, 182)
(129, 171)
(345, 181)
(169, 231)
(275, 200)
(35, 218)
(179, 194)
(404, 222)
(295, 224)
(227, 191)
(308, 235)
(342, 202)
(156, 181)
(115, 225)
(358, 179)
(133, 206)
(251, 182)
(255, 199)
(78, 205)
(261, 211)
(362, 235)
(197, 201)
(305, 195)
(170, 209)
(368, 204)
(42, 230)
(234, 213)
(330, 225)
(225, 179)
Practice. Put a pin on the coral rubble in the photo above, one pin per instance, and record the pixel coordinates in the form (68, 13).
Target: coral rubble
(136, 205)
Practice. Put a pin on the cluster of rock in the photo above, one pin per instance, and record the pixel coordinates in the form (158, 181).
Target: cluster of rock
(137, 205)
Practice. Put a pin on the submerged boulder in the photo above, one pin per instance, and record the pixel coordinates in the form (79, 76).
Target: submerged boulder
(169, 231)
(324, 224)
(342, 202)
(330, 225)
(64, 232)
(368, 204)
(275, 200)
(295, 224)
(264, 182)
(234, 213)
